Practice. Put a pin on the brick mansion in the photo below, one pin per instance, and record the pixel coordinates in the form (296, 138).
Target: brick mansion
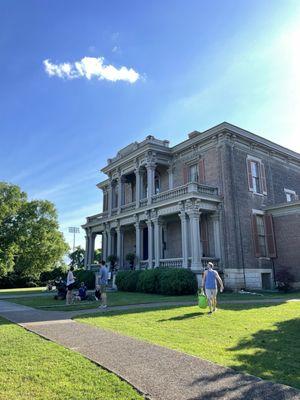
(224, 195)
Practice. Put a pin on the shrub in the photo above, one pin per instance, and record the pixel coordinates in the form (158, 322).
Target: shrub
(169, 281)
(284, 279)
(53, 275)
(88, 277)
(177, 282)
(149, 281)
(126, 281)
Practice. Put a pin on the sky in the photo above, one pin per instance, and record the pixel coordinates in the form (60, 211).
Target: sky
(79, 80)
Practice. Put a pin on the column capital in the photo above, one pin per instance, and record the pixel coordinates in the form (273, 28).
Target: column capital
(194, 213)
(182, 215)
(151, 165)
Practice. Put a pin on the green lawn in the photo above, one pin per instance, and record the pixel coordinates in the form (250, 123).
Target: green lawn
(125, 298)
(33, 368)
(114, 299)
(259, 339)
(11, 292)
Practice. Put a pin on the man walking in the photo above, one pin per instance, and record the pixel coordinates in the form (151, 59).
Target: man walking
(103, 283)
(209, 283)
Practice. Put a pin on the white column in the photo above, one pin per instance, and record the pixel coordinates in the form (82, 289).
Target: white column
(137, 187)
(91, 249)
(216, 227)
(184, 239)
(120, 192)
(150, 244)
(104, 245)
(109, 244)
(119, 245)
(86, 251)
(157, 241)
(170, 172)
(150, 180)
(196, 246)
(137, 243)
(109, 198)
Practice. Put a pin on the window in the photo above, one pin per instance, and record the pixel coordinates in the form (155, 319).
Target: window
(156, 183)
(193, 173)
(256, 176)
(105, 201)
(290, 195)
(263, 235)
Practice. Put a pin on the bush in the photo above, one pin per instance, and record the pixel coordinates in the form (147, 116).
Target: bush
(284, 279)
(169, 281)
(88, 277)
(149, 281)
(126, 281)
(53, 275)
(178, 282)
(13, 280)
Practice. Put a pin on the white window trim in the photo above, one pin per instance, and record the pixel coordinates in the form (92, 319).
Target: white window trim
(289, 191)
(258, 160)
(259, 212)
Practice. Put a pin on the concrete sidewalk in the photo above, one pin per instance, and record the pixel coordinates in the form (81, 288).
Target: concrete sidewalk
(159, 373)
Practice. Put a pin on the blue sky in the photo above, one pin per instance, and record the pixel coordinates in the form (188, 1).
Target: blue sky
(186, 65)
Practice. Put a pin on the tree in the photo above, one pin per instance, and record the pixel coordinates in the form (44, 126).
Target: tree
(98, 256)
(77, 257)
(30, 241)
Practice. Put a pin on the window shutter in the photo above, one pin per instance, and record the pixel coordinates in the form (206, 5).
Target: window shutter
(263, 178)
(270, 237)
(185, 174)
(255, 236)
(201, 171)
(204, 237)
(249, 173)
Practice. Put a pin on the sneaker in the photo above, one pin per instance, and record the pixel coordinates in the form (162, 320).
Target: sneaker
(209, 312)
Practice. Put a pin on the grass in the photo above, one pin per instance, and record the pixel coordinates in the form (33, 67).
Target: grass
(258, 339)
(125, 298)
(33, 368)
(114, 299)
(21, 291)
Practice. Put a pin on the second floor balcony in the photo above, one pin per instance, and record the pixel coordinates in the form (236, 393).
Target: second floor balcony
(175, 195)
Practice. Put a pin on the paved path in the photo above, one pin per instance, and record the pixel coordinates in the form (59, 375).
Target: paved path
(159, 373)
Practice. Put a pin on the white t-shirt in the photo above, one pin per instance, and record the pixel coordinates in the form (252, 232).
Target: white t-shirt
(70, 278)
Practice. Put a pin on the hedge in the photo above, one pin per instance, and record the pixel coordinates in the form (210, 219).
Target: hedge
(169, 281)
(88, 277)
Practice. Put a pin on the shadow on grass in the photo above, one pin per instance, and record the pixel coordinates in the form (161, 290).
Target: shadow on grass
(276, 357)
(200, 313)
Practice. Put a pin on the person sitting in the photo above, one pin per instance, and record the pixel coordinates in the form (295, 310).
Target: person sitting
(82, 292)
(97, 293)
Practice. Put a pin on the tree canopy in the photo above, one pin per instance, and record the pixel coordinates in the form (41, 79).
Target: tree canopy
(30, 241)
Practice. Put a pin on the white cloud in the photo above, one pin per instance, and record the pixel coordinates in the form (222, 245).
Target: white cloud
(89, 67)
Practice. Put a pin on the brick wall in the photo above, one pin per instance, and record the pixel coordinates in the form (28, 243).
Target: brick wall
(287, 235)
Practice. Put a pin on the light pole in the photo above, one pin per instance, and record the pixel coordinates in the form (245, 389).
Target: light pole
(74, 230)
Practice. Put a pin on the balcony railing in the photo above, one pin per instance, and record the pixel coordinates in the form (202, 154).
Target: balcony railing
(143, 202)
(171, 262)
(128, 207)
(172, 194)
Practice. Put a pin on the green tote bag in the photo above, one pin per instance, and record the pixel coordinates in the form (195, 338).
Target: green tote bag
(202, 300)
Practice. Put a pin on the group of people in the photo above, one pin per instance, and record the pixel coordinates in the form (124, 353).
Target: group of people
(100, 291)
(210, 280)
